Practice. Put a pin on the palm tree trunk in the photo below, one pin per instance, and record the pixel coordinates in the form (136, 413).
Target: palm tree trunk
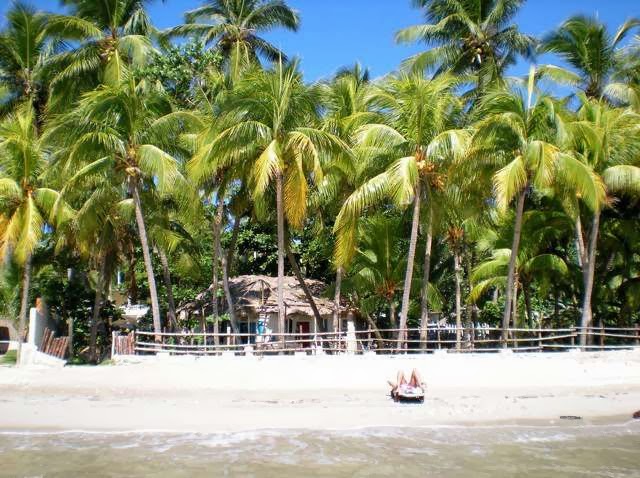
(97, 306)
(231, 253)
(171, 305)
(526, 290)
(375, 330)
(144, 243)
(336, 300)
(512, 265)
(280, 214)
(424, 298)
(216, 223)
(458, 274)
(590, 266)
(24, 305)
(225, 274)
(406, 293)
(296, 270)
(580, 242)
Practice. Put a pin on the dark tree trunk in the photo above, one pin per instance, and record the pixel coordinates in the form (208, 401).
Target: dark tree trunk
(225, 274)
(526, 290)
(336, 300)
(589, 271)
(231, 253)
(24, 305)
(424, 298)
(144, 243)
(97, 307)
(458, 273)
(172, 322)
(216, 224)
(406, 293)
(280, 221)
(296, 270)
(515, 245)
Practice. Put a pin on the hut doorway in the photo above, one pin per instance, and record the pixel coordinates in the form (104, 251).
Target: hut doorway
(5, 337)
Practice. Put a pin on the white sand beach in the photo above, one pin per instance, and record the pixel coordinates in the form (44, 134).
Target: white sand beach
(326, 392)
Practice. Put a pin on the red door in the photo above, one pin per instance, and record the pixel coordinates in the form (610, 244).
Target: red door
(303, 328)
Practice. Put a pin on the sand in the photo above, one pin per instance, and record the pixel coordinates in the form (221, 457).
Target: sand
(220, 394)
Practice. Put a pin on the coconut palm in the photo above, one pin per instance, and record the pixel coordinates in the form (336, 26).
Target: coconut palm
(25, 202)
(516, 138)
(348, 109)
(419, 112)
(234, 26)
(110, 35)
(127, 134)
(607, 140)
(591, 51)
(272, 112)
(25, 48)
(469, 35)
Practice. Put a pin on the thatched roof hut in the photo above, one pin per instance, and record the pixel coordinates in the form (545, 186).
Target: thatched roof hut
(254, 294)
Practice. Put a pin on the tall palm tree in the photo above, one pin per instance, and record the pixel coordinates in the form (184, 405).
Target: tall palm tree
(234, 27)
(516, 136)
(348, 109)
(25, 47)
(607, 139)
(25, 202)
(127, 134)
(469, 36)
(419, 112)
(272, 112)
(110, 35)
(593, 54)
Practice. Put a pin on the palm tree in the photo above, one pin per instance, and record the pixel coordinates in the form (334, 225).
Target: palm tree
(516, 137)
(348, 109)
(586, 45)
(469, 36)
(269, 135)
(234, 26)
(607, 140)
(25, 48)
(110, 34)
(127, 134)
(25, 202)
(419, 112)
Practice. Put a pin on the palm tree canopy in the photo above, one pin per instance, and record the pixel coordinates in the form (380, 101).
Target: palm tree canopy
(234, 27)
(588, 47)
(25, 46)
(467, 34)
(25, 204)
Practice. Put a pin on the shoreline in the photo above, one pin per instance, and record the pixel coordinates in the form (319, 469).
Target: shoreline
(228, 395)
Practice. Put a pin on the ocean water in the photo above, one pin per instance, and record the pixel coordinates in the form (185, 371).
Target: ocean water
(565, 450)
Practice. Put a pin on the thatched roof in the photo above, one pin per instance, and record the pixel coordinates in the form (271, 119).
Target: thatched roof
(253, 294)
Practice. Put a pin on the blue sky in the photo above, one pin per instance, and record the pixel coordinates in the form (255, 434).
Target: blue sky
(336, 33)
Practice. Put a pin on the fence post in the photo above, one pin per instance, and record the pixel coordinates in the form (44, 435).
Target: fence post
(637, 335)
(573, 336)
(540, 335)
(438, 333)
(601, 335)
(113, 343)
(473, 334)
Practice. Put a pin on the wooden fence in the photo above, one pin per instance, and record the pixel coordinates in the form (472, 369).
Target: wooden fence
(55, 346)
(387, 341)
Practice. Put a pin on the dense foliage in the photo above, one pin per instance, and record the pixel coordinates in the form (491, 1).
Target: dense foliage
(136, 167)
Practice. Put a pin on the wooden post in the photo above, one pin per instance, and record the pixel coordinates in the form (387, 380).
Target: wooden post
(70, 334)
(228, 336)
(473, 335)
(573, 336)
(113, 343)
(540, 335)
(438, 334)
(601, 335)
(637, 335)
